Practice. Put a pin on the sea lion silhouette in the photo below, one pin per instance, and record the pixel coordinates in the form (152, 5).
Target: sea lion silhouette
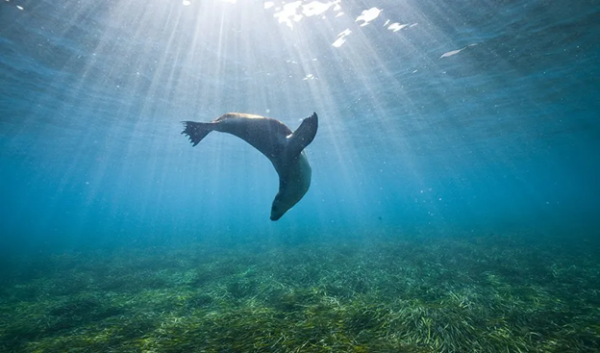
(284, 148)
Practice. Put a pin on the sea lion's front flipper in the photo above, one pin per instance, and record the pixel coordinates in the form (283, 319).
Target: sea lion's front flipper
(303, 135)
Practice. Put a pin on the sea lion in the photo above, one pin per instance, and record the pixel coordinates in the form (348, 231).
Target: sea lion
(284, 148)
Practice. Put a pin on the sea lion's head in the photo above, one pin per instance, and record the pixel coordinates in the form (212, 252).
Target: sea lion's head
(283, 202)
(278, 209)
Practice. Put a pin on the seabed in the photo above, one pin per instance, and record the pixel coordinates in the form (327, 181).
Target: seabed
(494, 293)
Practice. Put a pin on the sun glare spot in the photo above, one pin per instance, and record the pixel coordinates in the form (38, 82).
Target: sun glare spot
(186, 2)
(316, 8)
(454, 52)
(289, 13)
(368, 15)
(296, 11)
(341, 39)
(395, 27)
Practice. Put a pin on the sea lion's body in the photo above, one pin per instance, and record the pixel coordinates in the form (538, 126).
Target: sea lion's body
(284, 148)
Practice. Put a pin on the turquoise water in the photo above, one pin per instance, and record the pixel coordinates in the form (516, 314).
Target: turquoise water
(441, 119)
(503, 133)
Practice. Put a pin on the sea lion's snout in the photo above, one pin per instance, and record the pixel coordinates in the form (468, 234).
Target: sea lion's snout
(277, 211)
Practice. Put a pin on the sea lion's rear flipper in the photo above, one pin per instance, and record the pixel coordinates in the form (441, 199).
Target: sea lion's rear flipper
(197, 131)
(303, 135)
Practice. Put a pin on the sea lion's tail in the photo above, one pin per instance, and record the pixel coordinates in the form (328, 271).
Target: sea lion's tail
(197, 131)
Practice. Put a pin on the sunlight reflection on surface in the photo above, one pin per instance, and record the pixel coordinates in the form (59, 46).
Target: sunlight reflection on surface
(368, 15)
(295, 11)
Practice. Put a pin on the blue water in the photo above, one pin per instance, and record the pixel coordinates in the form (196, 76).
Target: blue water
(474, 116)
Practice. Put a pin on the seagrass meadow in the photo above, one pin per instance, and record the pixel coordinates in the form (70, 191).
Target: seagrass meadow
(467, 293)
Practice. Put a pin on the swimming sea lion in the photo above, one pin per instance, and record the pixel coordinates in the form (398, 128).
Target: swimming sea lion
(276, 141)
